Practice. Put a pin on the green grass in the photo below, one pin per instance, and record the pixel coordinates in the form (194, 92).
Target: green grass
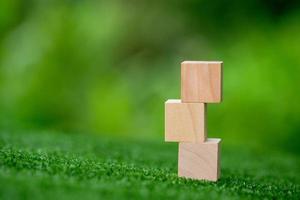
(46, 165)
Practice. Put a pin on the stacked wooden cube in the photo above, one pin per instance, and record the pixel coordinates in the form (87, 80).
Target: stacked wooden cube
(185, 120)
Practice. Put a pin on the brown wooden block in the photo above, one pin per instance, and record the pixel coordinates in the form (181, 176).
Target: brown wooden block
(200, 161)
(201, 81)
(185, 122)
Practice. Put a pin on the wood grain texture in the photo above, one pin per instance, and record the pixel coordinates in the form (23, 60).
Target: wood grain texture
(185, 122)
(200, 161)
(201, 81)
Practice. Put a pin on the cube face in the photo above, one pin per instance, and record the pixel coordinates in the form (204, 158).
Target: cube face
(200, 161)
(201, 81)
(185, 122)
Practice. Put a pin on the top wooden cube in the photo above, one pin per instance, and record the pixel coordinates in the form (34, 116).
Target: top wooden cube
(201, 81)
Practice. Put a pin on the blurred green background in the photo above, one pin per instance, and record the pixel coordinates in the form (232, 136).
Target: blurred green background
(107, 67)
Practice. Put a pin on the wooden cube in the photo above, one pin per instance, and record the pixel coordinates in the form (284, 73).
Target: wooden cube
(201, 81)
(185, 122)
(200, 161)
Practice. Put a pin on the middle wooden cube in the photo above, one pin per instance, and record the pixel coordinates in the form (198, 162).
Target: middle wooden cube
(185, 122)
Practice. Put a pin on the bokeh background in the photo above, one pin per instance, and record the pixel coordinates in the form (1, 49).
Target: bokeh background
(106, 67)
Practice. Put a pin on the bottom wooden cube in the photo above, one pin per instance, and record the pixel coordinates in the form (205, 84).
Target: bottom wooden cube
(200, 160)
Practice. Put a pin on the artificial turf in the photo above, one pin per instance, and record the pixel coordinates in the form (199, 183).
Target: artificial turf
(47, 165)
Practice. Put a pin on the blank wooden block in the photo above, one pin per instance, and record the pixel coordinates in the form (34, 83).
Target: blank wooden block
(201, 81)
(185, 122)
(200, 161)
